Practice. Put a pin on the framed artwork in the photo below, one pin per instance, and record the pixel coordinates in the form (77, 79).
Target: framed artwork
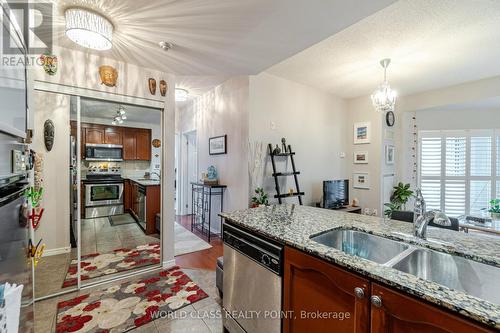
(362, 133)
(361, 180)
(389, 154)
(360, 157)
(217, 145)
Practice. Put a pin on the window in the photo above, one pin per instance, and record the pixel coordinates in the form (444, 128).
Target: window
(459, 170)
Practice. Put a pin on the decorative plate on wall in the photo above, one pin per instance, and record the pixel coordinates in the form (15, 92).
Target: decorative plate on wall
(156, 143)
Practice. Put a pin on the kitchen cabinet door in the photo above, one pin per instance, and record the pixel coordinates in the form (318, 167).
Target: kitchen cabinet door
(94, 135)
(134, 198)
(113, 136)
(127, 199)
(322, 297)
(143, 144)
(400, 313)
(129, 144)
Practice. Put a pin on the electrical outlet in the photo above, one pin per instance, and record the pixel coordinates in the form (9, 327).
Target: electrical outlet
(272, 125)
(342, 154)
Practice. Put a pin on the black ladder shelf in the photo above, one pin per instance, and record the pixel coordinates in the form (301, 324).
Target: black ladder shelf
(293, 173)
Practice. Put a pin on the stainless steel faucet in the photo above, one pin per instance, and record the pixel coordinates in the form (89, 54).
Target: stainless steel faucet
(422, 217)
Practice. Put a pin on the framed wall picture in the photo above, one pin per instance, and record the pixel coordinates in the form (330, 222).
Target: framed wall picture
(362, 133)
(361, 180)
(217, 145)
(389, 154)
(360, 157)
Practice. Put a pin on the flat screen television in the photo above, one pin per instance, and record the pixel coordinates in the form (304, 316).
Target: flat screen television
(335, 193)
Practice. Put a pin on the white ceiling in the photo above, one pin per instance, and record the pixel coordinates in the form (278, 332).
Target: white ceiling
(432, 43)
(92, 108)
(217, 38)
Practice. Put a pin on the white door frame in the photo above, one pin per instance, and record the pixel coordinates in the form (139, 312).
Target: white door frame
(186, 186)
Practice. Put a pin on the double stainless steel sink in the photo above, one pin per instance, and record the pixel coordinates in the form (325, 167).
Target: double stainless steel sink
(455, 272)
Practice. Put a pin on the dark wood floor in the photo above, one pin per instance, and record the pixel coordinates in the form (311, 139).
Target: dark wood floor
(206, 259)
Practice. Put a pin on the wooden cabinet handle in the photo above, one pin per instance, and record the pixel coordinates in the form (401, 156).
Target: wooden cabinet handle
(359, 292)
(376, 301)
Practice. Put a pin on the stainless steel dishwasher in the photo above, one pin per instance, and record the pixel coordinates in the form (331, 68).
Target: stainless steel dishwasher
(252, 285)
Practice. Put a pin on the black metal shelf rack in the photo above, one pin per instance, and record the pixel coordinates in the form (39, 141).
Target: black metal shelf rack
(289, 154)
(201, 207)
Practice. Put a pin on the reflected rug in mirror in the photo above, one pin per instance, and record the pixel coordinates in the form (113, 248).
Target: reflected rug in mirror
(125, 306)
(98, 264)
(187, 242)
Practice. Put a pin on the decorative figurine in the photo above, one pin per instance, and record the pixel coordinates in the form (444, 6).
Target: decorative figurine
(48, 134)
(108, 75)
(49, 63)
(163, 88)
(152, 86)
(211, 173)
(276, 150)
(283, 145)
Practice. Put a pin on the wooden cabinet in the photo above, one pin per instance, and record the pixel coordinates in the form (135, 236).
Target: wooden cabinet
(113, 136)
(153, 204)
(134, 196)
(143, 144)
(94, 135)
(129, 144)
(127, 195)
(137, 144)
(401, 313)
(312, 285)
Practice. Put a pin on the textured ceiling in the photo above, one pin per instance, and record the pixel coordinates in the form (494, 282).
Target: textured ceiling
(432, 43)
(217, 38)
(91, 108)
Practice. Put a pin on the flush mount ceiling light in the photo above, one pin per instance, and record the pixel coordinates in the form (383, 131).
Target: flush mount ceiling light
(120, 116)
(165, 45)
(181, 95)
(88, 29)
(384, 98)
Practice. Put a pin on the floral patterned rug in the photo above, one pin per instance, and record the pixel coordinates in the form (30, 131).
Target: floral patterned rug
(123, 307)
(99, 264)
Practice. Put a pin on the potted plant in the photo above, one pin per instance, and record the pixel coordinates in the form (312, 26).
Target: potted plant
(495, 209)
(399, 198)
(260, 198)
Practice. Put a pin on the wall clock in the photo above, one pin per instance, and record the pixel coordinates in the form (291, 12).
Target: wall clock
(390, 118)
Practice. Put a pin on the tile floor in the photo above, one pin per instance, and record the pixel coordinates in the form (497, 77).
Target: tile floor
(98, 235)
(192, 318)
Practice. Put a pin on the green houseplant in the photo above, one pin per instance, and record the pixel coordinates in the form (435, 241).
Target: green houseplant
(402, 193)
(260, 198)
(495, 209)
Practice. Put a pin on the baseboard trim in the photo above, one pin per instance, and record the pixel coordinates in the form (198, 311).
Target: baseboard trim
(54, 252)
(168, 264)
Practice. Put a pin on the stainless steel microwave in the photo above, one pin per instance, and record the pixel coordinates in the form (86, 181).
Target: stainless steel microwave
(103, 152)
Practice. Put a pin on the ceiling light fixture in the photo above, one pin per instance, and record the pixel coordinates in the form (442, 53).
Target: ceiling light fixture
(384, 98)
(181, 95)
(120, 116)
(88, 29)
(165, 45)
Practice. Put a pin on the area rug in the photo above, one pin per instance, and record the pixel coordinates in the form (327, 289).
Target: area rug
(99, 264)
(116, 220)
(187, 242)
(123, 307)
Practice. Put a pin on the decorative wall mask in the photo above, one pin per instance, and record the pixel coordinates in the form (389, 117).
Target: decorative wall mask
(163, 88)
(108, 75)
(152, 86)
(49, 63)
(48, 134)
(156, 143)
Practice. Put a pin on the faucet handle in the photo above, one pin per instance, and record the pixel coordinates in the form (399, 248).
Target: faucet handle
(441, 219)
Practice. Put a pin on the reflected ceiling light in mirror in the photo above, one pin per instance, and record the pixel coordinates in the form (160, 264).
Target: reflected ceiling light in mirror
(120, 116)
(181, 95)
(88, 29)
(384, 98)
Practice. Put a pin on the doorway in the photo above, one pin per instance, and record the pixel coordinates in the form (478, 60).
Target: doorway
(191, 168)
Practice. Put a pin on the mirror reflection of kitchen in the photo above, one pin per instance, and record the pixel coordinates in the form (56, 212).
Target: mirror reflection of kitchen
(120, 188)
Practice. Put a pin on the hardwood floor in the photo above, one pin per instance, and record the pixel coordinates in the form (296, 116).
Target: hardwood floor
(206, 259)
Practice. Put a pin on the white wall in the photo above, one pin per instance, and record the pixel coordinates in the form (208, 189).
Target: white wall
(54, 225)
(313, 123)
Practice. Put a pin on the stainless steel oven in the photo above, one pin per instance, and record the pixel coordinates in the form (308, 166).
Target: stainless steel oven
(103, 152)
(103, 198)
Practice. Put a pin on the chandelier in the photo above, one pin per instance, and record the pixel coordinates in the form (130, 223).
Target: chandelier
(88, 29)
(120, 116)
(384, 98)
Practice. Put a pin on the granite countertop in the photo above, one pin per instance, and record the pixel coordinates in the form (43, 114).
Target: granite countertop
(293, 225)
(144, 182)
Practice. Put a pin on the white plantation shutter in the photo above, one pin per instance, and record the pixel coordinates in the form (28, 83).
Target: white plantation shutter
(459, 170)
(431, 156)
(480, 156)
